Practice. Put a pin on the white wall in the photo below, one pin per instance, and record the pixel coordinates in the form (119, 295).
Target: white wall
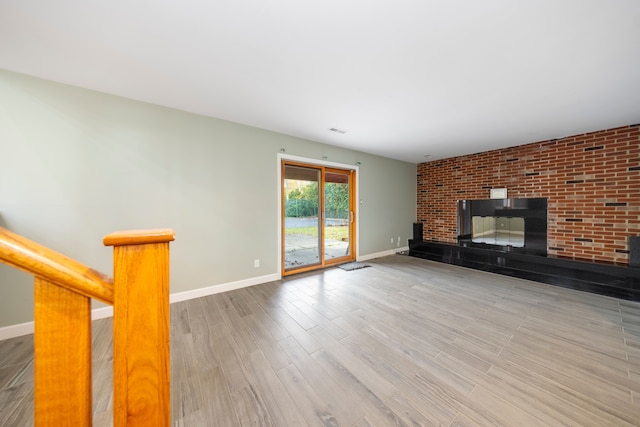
(77, 165)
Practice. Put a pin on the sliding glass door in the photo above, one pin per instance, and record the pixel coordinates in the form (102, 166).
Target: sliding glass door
(337, 214)
(317, 216)
(302, 215)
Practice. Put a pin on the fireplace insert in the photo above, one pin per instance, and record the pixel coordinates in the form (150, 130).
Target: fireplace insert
(518, 225)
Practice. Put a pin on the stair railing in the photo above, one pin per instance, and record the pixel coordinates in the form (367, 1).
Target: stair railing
(139, 293)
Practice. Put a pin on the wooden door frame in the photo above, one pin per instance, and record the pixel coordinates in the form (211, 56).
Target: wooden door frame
(316, 163)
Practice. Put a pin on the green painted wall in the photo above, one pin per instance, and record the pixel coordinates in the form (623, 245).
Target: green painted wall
(78, 164)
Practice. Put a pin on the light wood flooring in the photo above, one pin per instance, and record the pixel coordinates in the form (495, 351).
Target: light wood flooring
(405, 342)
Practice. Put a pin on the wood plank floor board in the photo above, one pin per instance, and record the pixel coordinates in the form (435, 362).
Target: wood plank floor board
(351, 324)
(426, 327)
(429, 319)
(404, 342)
(591, 362)
(231, 361)
(574, 327)
(415, 350)
(432, 406)
(268, 325)
(249, 408)
(507, 412)
(407, 412)
(203, 347)
(462, 420)
(241, 337)
(102, 339)
(364, 422)
(519, 394)
(553, 368)
(332, 393)
(322, 305)
(240, 301)
(434, 390)
(327, 325)
(296, 314)
(491, 340)
(294, 329)
(382, 359)
(372, 305)
(212, 314)
(16, 405)
(102, 375)
(16, 350)
(216, 400)
(610, 312)
(604, 347)
(491, 329)
(471, 360)
(477, 348)
(424, 296)
(278, 401)
(588, 404)
(334, 303)
(311, 406)
(8, 373)
(367, 402)
(290, 326)
(436, 371)
(563, 394)
(373, 381)
(19, 373)
(269, 346)
(631, 319)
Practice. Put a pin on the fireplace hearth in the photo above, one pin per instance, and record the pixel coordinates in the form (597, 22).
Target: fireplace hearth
(509, 237)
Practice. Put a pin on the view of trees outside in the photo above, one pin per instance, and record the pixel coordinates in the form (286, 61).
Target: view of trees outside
(304, 202)
(336, 200)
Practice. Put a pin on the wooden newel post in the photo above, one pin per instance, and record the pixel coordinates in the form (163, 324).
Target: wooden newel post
(141, 365)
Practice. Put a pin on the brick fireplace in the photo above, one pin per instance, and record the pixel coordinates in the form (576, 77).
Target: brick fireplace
(591, 182)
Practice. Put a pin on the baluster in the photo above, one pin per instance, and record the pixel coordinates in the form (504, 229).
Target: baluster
(62, 356)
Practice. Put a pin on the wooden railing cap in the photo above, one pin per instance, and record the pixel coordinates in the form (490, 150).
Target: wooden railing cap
(29, 256)
(139, 237)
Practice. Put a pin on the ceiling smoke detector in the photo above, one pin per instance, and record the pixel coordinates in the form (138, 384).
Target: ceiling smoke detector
(338, 130)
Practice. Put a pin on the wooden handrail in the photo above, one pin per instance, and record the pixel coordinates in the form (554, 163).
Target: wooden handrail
(54, 267)
(139, 293)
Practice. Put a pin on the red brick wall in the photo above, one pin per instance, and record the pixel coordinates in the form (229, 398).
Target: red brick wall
(591, 181)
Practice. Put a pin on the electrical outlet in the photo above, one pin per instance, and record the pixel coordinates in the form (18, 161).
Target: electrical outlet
(392, 240)
(398, 241)
(256, 263)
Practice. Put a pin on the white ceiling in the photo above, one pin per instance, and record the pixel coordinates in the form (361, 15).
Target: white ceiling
(404, 78)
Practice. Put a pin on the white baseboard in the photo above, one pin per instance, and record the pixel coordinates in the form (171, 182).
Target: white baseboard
(224, 287)
(16, 330)
(381, 254)
(27, 328)
(102, 312)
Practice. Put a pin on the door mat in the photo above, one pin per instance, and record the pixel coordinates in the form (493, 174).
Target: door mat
(350, 266)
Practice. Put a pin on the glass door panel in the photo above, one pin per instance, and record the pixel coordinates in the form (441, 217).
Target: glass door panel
(302, 217)
(337, 215)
